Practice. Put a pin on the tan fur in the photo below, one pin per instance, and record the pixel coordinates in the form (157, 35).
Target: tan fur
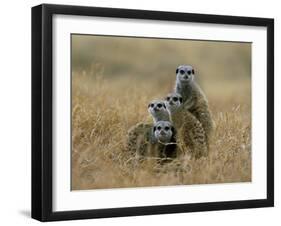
(138, 138)
(197, 104)
(190, 134)
(141, 143)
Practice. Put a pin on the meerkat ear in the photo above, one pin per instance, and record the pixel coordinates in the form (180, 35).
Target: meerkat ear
(192, 71)
(164, 105)
(177, 70)
(180, 99)
(154, 128)
(148, 105)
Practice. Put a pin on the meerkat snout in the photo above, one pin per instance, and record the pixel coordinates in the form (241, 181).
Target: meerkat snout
(185, 73)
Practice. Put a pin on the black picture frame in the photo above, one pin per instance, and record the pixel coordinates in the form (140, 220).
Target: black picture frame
(42, 106)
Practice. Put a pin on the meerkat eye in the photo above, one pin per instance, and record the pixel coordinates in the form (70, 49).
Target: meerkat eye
(167, 128)
(192, 71)
(159, 128)
(175, 99)
(159, 105)
(182, 72)
(189, 72)
(152, 105)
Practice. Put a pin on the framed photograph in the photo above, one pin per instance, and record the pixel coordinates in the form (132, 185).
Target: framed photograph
(146, 112)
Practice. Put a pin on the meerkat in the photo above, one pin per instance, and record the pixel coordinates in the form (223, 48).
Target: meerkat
(194, 100)
(190, 133)
(164, 140)
(141, 135)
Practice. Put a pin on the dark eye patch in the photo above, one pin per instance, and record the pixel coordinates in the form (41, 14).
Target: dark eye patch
(182, 72)
(159, 128)
(175, 99)
(180, 99)
(151, 105)
(189, 72)
(167, 128)
(159, 105)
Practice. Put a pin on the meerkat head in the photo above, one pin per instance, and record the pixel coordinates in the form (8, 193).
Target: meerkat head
(185, 74)
(173, 102)
(158, 110)
(163, 131)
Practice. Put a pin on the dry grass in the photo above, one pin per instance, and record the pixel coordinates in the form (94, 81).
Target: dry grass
(104, 108)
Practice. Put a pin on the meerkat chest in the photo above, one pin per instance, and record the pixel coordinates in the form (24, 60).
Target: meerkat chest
(177, 119)
(189, 104)
(192, 100)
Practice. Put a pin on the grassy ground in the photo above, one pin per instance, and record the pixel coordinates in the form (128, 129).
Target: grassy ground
(104, 108)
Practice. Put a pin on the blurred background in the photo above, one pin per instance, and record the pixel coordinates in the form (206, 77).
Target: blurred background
(146, 58)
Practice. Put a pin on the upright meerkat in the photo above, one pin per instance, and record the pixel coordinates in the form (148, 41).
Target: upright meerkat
(190, 133)
(194, 100)
(141, 135)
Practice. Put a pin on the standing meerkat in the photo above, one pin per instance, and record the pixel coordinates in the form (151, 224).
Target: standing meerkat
(194, 100)
(190, 133)
(141, 135)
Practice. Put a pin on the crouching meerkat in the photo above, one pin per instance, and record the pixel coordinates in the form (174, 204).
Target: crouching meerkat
(141, 135)
(164, 140)
(190, 133)
(194, 100)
